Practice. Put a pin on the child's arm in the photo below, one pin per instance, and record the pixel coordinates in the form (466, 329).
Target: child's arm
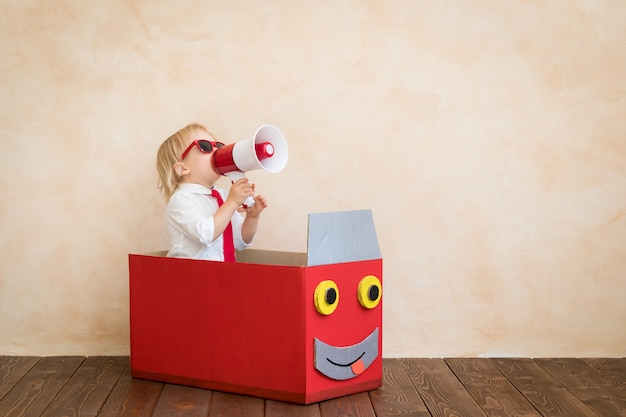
(238, 192)
(251, 222)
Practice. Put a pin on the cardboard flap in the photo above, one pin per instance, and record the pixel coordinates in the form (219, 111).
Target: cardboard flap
(268, 257)
(344, 236)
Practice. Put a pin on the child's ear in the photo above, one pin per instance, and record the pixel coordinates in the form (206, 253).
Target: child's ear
(180, 169)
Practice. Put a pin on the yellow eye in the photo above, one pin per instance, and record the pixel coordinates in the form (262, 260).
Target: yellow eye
(326, 297)
(369, 291)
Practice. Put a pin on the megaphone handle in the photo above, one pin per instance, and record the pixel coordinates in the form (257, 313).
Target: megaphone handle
(235, 176)
(248, 202)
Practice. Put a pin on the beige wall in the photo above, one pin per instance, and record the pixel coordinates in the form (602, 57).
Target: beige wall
(488, 137)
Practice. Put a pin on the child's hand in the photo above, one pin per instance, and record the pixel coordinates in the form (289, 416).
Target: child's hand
(240, 190)
(259, 205)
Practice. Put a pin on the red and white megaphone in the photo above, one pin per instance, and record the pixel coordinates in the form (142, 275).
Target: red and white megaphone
(266, 150)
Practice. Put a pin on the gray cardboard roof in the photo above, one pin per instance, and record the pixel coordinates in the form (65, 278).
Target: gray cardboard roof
(341, 236)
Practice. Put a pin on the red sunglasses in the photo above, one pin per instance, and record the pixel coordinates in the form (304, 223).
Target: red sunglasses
(205, 146)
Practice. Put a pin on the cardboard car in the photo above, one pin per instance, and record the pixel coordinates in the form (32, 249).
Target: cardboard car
(287, 326)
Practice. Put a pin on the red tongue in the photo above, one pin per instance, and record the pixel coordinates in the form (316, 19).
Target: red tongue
(357, 367)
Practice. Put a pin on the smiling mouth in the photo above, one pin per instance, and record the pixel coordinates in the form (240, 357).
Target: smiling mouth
(346, 362)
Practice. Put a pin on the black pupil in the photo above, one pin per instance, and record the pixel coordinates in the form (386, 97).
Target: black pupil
(206, 146)
(373, 292)
(331, 296)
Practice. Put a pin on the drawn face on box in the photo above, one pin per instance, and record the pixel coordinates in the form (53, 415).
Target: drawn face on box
(347, 327)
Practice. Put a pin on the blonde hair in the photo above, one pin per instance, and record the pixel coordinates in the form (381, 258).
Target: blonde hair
(169, 154)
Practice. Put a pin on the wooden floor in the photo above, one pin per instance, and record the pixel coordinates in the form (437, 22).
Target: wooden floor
(102, 386)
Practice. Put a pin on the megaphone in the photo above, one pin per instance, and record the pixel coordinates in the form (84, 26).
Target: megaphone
(267, 150)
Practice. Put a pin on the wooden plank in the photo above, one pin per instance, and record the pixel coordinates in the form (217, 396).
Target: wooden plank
(397, 396)
(132, 397)
(613, 369)
(38, 388)
(442, 392)
(541, 389)
(103, 386)
(281, 409)
(86, 391)
(12, 369)
(587, 384)
(181, 401)
(490, 389)
(349, 405)
(231, 405)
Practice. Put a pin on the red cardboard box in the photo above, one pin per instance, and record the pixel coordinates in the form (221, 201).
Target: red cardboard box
(278, 325)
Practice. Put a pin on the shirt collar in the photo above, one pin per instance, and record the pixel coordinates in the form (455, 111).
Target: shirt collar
(194, 188)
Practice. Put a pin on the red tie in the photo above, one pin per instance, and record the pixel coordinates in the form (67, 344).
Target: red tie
(229, 246)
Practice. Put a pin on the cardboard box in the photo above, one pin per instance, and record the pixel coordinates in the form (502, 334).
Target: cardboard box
(296, 327)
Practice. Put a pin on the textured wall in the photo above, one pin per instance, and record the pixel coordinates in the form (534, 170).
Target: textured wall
(488, 138)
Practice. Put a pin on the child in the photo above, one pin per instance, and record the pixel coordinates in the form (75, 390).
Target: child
(198, 222)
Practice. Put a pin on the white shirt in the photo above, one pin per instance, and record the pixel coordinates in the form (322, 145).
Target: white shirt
(190, 224)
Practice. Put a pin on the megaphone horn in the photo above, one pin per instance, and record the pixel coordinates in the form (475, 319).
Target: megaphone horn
(266, 150)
